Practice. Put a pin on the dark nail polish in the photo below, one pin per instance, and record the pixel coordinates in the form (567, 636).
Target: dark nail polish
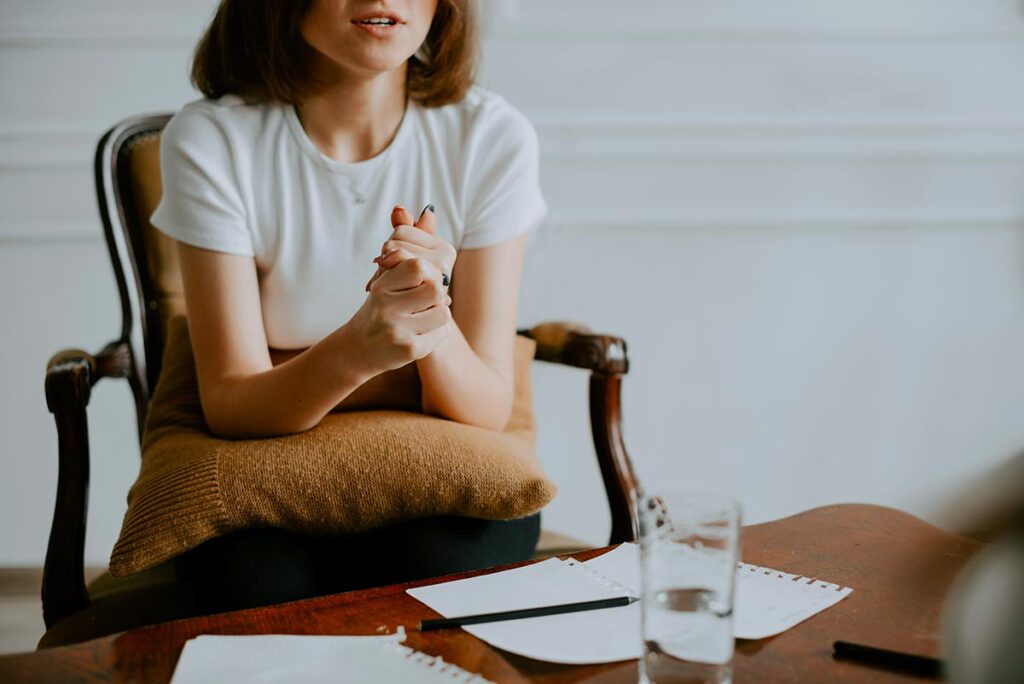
(430, 208)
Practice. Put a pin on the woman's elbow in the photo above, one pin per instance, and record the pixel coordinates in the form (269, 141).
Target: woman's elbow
(499, 416)
(490, 415)
(227, 421)
(491, 421)
(223, 423)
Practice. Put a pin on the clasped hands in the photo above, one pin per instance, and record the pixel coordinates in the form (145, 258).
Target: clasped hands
(406, 314)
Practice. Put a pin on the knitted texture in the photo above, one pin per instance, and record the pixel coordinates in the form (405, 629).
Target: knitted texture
(355, 471)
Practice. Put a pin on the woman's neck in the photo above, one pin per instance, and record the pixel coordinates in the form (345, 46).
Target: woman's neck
(355, 118)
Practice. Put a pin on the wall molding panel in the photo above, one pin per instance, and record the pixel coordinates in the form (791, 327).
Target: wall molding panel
(749, 20)
(47, 233)
(665, 222)
(41, 147)
(579, 141)
(99, 37)
(100, 25)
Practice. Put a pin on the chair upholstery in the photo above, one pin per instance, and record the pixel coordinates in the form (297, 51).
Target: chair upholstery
(145, 264)
(162, 268)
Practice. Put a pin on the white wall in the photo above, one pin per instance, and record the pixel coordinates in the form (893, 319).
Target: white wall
(805, 216)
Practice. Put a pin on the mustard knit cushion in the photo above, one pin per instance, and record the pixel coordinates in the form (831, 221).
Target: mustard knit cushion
(353, 472)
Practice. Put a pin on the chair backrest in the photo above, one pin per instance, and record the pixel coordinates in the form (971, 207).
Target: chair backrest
(145, 261)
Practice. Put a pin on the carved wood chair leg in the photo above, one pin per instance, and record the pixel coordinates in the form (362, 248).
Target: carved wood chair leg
(63, 590)
(70, 375)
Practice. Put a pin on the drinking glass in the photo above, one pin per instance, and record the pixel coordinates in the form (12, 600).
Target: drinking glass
(689, 547)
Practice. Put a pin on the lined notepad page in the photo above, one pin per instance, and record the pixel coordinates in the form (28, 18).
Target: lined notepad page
(767, 602)
(265, 658)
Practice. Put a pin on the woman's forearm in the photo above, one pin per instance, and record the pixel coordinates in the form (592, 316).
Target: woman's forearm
(461, 386)
(291, 397)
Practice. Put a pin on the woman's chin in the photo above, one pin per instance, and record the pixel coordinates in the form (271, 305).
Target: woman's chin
(375, 62)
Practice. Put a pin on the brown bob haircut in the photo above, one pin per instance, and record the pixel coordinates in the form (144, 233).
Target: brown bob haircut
(254, 49)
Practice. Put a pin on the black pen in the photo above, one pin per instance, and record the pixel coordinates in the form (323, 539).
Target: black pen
(444, 623)
(907, 662)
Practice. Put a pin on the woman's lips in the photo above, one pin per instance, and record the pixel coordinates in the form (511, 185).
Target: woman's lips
(377, 29)
(379, 23)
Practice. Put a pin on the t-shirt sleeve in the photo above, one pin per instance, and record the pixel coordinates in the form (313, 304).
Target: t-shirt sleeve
(201, 203)
(504, 198)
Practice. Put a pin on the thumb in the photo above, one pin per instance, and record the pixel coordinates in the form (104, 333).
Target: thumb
(428, 221)
(400, 217)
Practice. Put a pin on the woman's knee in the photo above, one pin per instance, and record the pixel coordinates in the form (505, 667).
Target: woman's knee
(252, 568)
(430, 547)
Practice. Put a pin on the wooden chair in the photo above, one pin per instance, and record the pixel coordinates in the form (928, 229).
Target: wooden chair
(145, 264)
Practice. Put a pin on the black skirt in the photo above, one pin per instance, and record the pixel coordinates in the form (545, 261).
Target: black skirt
(259, 567)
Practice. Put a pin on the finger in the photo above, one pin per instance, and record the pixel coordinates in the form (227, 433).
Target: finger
(439, 251)
(430, 319)
(399, 255)
(428, 220)
(409, 274)
(400, 217)
(419, 298)
(374, 277)
(413, 236)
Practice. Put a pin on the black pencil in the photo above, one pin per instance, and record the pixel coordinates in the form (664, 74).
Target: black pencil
(443, 623)
(891, 659)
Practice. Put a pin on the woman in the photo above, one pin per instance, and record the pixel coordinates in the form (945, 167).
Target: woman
(308, 290)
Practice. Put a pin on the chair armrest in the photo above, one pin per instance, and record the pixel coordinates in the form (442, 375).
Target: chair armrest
(70, 375)
(573, 344)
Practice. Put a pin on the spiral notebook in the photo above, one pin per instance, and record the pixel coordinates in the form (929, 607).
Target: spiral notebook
(210, 659)
(767, 602)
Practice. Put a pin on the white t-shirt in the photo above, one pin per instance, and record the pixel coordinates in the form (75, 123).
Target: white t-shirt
(246, 179)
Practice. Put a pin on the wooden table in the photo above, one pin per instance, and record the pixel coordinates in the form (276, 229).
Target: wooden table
(899, 566)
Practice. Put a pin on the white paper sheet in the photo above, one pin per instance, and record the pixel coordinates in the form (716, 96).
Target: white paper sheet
(767, 602)
(594, 636)
(214, 659)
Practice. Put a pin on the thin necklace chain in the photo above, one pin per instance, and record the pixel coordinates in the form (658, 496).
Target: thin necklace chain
(358, 189)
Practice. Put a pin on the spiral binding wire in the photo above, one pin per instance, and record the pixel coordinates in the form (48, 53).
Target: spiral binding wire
(603, 579)
(436, 664)
(745, 568)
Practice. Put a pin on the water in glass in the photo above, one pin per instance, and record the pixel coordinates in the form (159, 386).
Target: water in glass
(688, 573)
